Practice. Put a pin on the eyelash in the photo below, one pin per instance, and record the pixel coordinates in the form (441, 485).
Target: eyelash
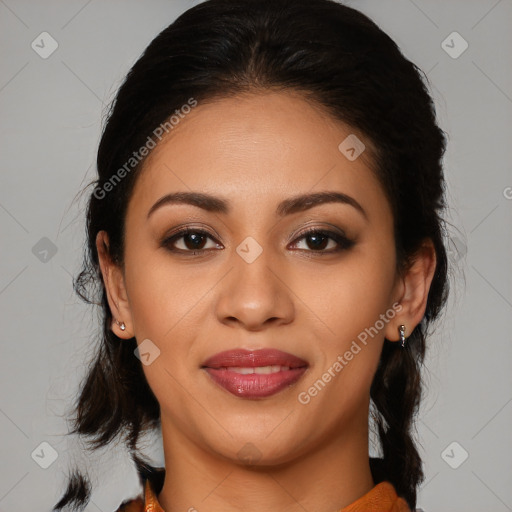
(344, 243)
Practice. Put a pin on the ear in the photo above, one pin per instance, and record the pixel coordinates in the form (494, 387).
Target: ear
(412, 291)
(113, 280)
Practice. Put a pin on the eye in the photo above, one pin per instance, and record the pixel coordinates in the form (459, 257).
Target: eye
(319, 240)
(191, 240)
(194, 241)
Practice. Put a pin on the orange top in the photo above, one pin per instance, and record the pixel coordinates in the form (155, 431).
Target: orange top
(382, 498)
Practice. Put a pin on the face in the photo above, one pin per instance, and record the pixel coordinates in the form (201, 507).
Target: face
(256, 270)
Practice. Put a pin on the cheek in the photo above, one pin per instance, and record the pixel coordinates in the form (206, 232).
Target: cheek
(165, 303)
(159, 292)
(351, 296)
(147, 288)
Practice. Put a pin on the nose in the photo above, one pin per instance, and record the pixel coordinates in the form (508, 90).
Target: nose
(255, 295)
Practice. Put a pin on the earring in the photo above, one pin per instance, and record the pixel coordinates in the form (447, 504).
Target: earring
(121, 325)
(401, 330)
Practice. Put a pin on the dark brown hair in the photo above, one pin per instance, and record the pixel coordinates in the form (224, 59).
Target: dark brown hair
(338, 58)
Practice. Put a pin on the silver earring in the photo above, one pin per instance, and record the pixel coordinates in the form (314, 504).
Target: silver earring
(401, 330)
(121, 325)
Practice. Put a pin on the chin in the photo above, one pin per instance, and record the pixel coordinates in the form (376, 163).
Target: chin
(259, 451)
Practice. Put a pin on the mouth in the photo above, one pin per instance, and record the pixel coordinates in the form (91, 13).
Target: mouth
(253, 374)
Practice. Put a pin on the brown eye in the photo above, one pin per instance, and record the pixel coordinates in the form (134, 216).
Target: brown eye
(194, 241)
(317, 241)
(190, 241)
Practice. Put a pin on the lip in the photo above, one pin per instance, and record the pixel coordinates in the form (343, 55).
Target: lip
(254, 385)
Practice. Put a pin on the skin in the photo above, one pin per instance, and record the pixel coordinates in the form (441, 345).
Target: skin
(256, 150)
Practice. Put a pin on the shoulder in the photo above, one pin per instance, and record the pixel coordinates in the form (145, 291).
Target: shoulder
(133, 505)
(147, 499)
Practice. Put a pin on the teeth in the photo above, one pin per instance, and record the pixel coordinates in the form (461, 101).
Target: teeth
(243, 371)
(261, 370)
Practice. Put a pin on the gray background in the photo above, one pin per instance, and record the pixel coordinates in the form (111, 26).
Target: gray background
(51, 113)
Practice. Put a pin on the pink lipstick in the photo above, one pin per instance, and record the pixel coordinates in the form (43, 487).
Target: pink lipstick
(254, 373)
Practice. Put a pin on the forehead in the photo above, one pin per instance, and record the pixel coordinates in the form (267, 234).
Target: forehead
(257, 149)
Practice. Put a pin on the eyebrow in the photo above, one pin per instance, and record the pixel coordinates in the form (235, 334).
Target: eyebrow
(289, 206)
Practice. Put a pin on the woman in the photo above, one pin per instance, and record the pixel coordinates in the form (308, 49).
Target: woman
(267, 238)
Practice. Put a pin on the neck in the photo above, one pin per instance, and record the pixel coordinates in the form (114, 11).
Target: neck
(332, 477)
